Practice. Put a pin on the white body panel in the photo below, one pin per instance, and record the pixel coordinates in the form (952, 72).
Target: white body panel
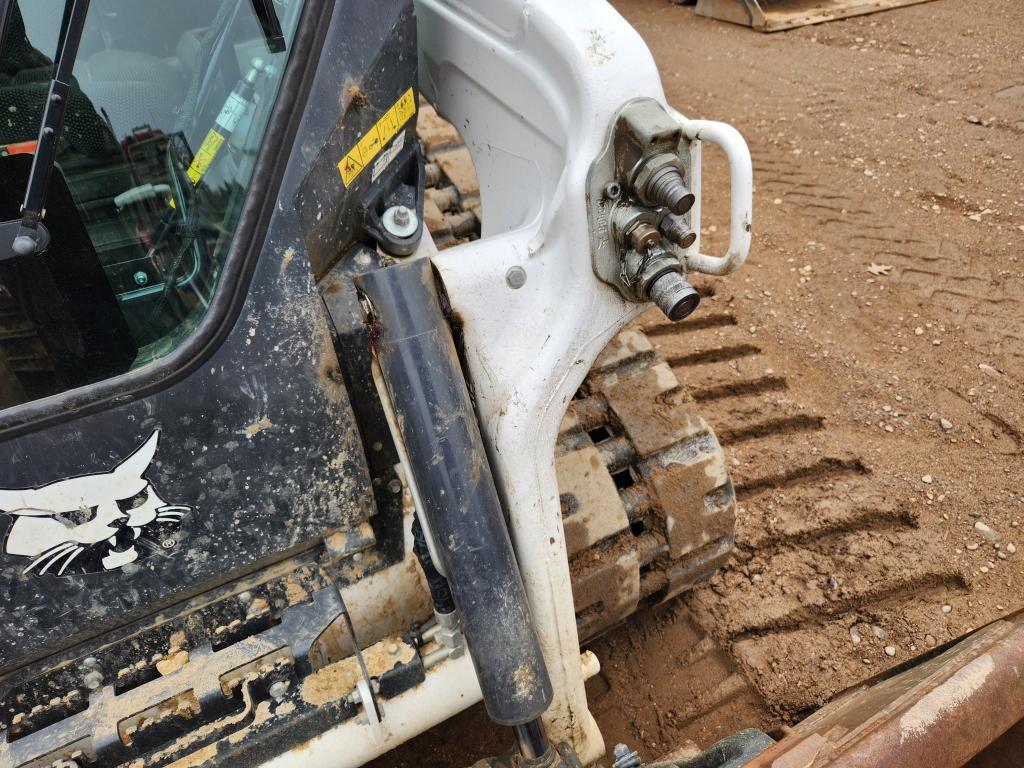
(533, 89)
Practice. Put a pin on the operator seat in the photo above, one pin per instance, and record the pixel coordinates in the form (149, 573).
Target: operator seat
(25, 75)
(133, 89)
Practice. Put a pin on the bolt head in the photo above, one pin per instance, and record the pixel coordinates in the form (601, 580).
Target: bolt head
(612, 190)
(515, 277)
(395, 486)
(278, 690)
(23, 245)
(140, 278)
(400, 221)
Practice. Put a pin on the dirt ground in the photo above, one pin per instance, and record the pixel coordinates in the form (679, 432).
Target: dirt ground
(865, 370)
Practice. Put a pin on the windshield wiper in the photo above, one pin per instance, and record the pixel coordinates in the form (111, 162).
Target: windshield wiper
(271, 24)
(28, 235)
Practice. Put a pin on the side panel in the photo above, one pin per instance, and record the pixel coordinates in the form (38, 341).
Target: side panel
(252, 457)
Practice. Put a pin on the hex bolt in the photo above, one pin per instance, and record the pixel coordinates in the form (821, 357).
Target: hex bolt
(400, 221)
(395, 486)
(515, 277)
(676, 231)
(140, 278)
(674, 296)
(278, 690)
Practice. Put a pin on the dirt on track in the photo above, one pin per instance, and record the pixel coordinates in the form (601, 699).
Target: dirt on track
(865, 370)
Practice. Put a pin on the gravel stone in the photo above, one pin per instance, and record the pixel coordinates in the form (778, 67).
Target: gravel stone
(987, 532)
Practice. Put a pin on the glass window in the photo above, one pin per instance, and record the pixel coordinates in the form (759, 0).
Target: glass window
(166, 116)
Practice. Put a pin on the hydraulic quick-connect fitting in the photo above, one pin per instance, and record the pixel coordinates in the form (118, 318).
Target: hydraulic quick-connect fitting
(656, 275)
(658, 182)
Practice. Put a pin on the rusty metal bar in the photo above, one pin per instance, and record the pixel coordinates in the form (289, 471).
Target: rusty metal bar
(636, 500)
(938, 714)
(617, 453)
(649, 548)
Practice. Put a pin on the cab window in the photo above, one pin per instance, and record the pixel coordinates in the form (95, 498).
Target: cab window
(167, 113)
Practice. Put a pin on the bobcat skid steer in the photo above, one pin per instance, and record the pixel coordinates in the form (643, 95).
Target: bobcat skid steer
(277, 478)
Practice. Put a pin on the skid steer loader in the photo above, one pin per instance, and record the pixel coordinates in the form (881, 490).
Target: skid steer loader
(283, 484)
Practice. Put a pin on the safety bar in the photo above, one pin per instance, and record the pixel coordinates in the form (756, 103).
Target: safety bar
(741, 207)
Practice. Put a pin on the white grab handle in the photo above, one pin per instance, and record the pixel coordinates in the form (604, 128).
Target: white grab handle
(741, 208)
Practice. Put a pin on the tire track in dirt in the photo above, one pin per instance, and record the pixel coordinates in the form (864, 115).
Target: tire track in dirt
(961, 288)
(816, 528)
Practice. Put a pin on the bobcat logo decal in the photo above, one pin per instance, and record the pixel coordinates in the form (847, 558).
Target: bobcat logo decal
(92, 523)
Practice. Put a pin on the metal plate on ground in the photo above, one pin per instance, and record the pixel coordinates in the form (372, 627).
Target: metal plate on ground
(777, 15)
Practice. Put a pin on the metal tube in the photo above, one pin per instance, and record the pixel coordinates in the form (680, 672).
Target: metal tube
(938, 714)
(532, 741)
(447, 462)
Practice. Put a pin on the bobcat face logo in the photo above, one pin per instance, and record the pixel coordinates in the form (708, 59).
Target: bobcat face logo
(92, 523)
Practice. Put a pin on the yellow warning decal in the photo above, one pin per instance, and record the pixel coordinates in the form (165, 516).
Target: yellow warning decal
(374, 140)
(207, 151)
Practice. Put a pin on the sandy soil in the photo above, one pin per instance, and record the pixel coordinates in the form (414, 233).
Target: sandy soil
(865, 371)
